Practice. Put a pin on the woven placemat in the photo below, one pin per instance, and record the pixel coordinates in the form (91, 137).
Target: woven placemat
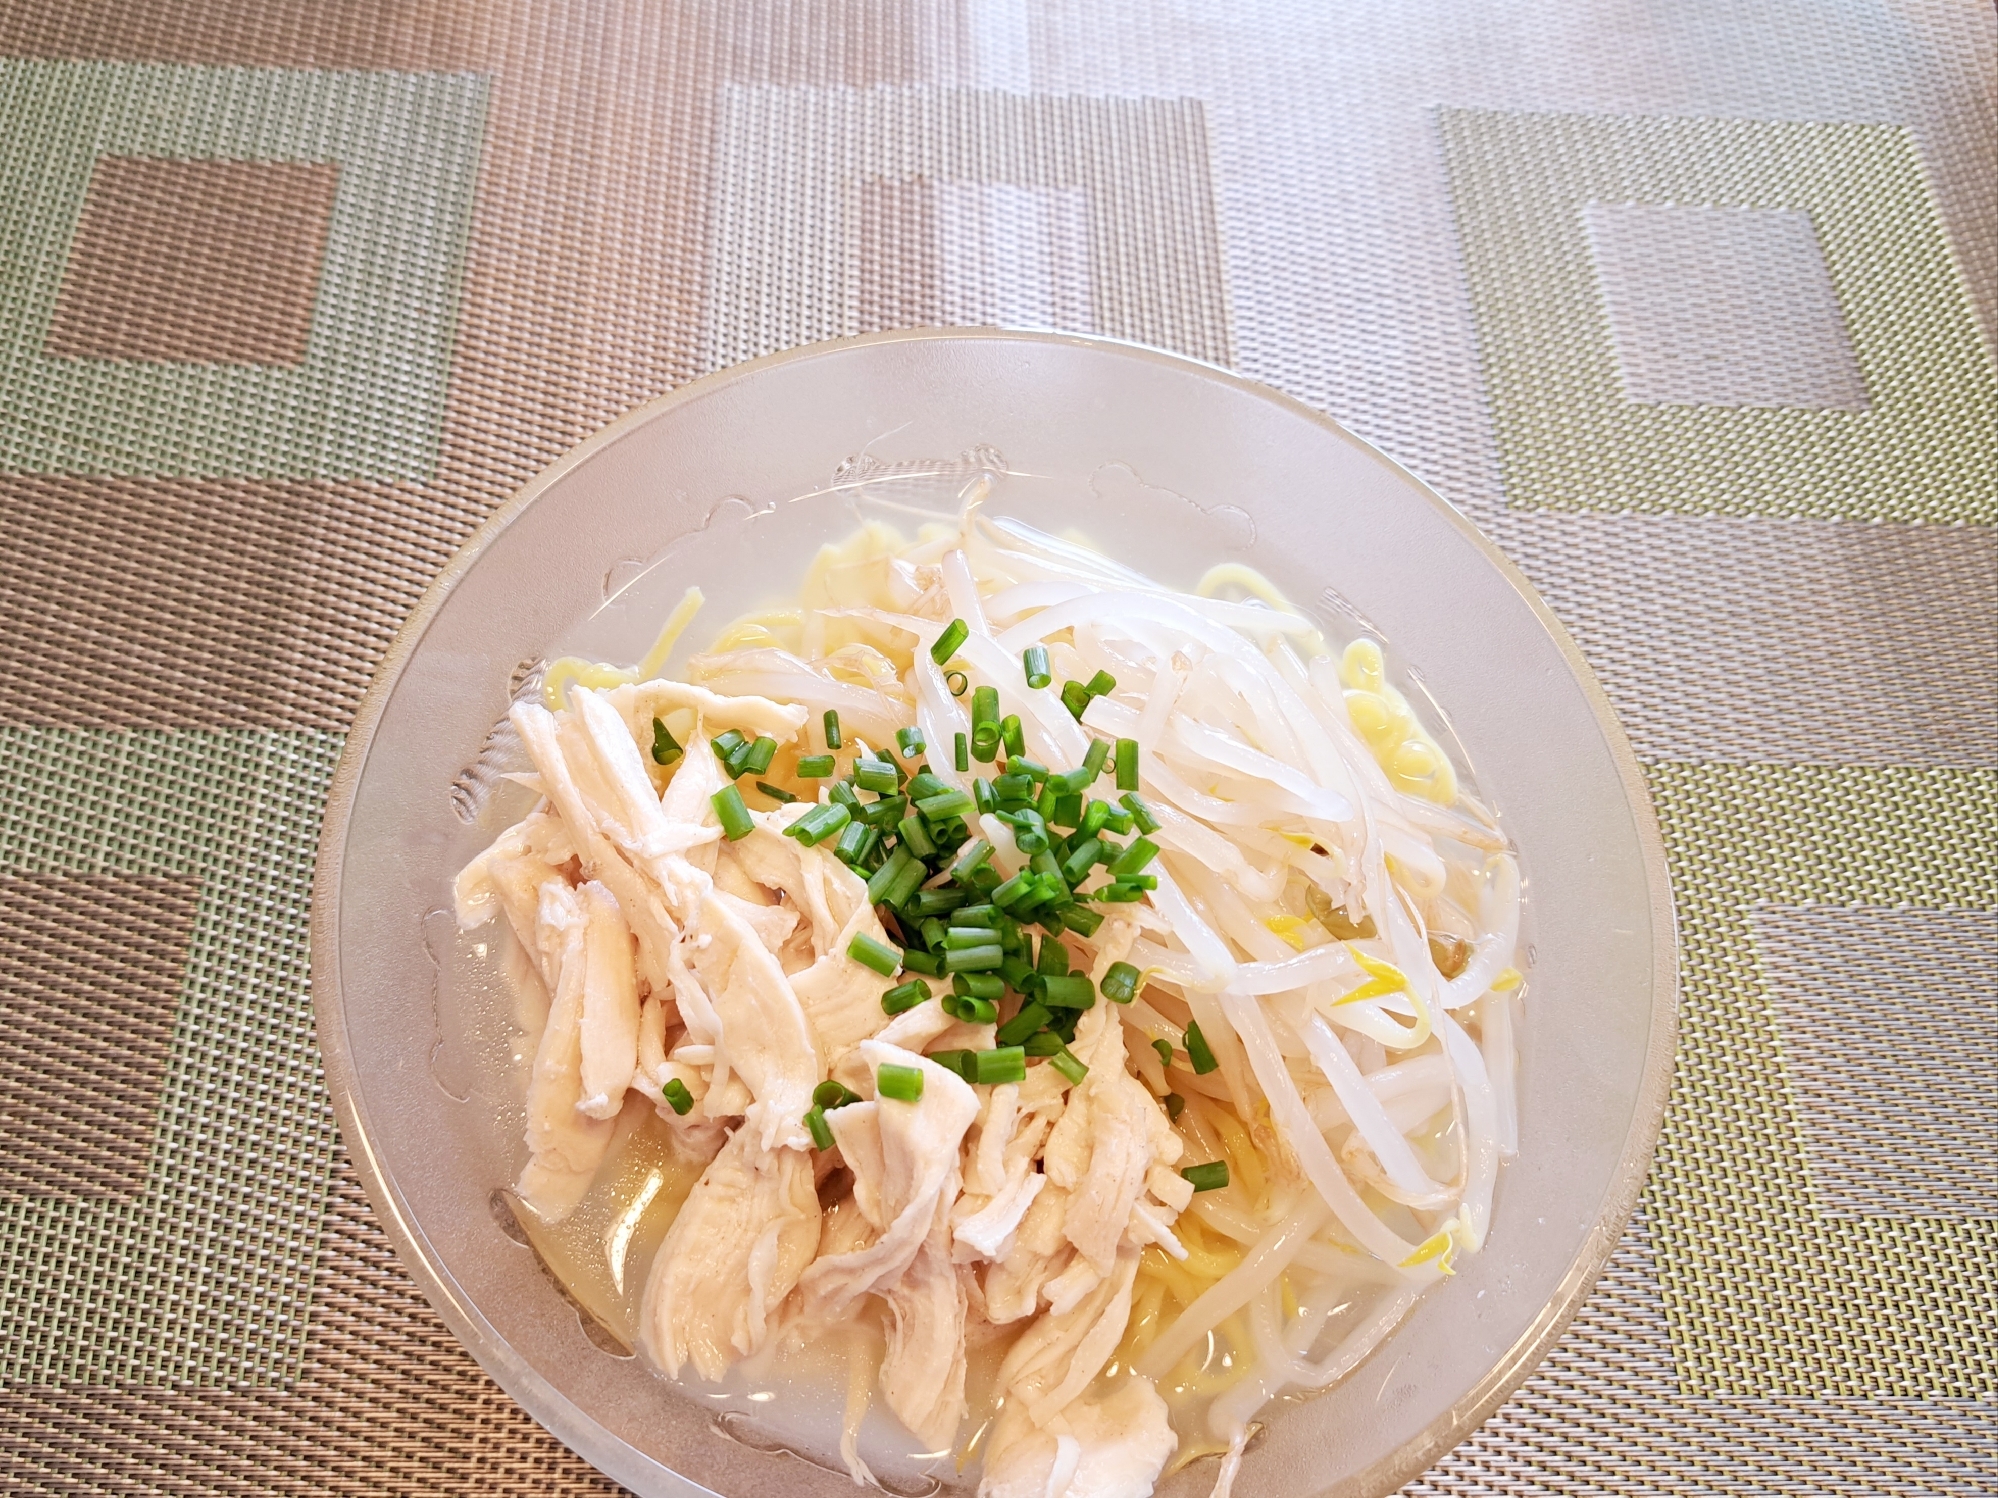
(1692, 307)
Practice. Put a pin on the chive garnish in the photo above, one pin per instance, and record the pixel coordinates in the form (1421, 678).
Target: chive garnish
(736, 823)
(879, 956)
(955, 634)
(902, 1083)
(1211, 1177)
(665, 749)
(1198, 1051)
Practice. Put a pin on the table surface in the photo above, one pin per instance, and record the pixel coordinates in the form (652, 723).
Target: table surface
(1690, 306)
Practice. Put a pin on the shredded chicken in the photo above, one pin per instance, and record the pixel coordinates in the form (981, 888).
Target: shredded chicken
(745, 1234)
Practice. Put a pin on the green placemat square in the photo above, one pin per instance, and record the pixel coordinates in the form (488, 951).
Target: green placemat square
(368, 399)
(1569, 436)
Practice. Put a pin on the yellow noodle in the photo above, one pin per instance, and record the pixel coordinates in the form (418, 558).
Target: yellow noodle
(670, 632)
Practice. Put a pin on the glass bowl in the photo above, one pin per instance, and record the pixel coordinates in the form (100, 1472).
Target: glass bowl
(732, 482)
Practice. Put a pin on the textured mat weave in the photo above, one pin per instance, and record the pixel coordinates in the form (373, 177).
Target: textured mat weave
(1692, 307)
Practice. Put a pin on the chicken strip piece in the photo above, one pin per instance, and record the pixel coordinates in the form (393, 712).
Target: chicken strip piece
(746, 1232)
(637, 896)
(610, 1004)
(1114, 1447)
(922, 1373)
(565, 1147)
(1057, 1357)
(760, 1027)
(904, 1160)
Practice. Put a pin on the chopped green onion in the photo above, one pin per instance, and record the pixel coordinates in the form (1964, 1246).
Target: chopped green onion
(1120, 983)
(960, 1062)
(1075, 868)
(1073, 783)
(843, 792)
(776, 793)
(1015, 889)
(821, 1134)
(1003, 1064)
(884, 877)
(1198, 1051)
(1065, 1062)
(757, 757)
(815, 766)
(883, 813)
(1127, 764)
(1053, 961)
(1033, 1014)
(1136, 856)
(916, 836)
(876, 775)
(1072, 992)
(955, 634)
(853, 844)
(677, 1097)
(1045, 1042)
(1075, 697)
(923, 783)
(1164, 1048)
(727, 744)
(973, 959)
(970, 1009)
(985, 724)
(665, 748)
(1094, 818)
(971, 859)
(1035, 663)
(910, 741)
(1174, 1105)
(1081, 920)
(818, 824)
(933, 933)
(1097, 756)
(1119, 821)
(829, 1095)
(1102, 684)
(902, 1083)
(961, 757)
(957, 681)
(1207, 1177)
(979, 985)
(937, 901)
(1013, 787)
(949, 804)
(905, 996)
(969, 936)
(982, 794)
(736, 823)
(978, 915)
(1140, 813)
(879, 956)
(927, 963)
(1012, 735)
(907, 882)
(832, 729)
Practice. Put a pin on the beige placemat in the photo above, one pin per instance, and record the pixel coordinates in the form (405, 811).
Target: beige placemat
(1690, 306)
